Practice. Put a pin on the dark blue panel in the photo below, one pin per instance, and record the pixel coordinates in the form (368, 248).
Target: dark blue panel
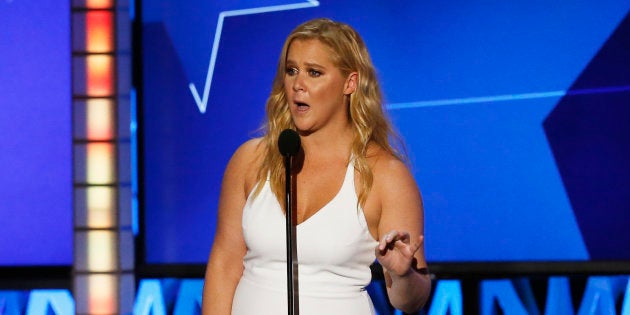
(589, 132)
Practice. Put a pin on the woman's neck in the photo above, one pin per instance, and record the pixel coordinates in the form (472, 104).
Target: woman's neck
(333, 143)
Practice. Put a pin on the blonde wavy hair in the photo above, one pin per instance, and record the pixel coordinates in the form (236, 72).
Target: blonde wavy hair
(367, 116)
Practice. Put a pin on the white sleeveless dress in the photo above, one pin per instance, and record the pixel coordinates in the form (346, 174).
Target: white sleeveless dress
(334, 247)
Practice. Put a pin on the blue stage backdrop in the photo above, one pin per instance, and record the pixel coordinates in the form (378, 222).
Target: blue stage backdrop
(516, 116)
(35, 134)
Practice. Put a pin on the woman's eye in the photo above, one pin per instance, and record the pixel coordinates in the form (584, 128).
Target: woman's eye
(291, 71)
(314, 73)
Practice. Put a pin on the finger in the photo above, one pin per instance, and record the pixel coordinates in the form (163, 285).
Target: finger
(421, 239)
(391, 238)
(410, 248)
(404, 237)
(386, 239)
(415, 247)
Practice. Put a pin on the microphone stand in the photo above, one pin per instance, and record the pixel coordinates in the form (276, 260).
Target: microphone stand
(293, 305)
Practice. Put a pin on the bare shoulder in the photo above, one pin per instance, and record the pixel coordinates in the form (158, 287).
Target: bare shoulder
(248, 151)
(247, 155)
(396, 191)
(389, 170)
(245, 162)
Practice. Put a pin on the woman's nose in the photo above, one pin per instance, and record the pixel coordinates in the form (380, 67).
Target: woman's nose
(298, 83)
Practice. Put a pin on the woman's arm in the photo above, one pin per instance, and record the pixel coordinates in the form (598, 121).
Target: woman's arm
(401, 236)
(225, 265)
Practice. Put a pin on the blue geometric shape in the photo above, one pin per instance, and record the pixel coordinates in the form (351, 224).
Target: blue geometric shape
(559, 297)
(526, 294)
(503, 292)
(589, 134)
(45, 302)
(189, 298)
(447, 298)
(150, 299)
(12, 302)
(600, 295)
(625, 308)
(494, 152)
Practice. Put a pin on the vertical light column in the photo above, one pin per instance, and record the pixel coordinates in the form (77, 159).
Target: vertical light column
(103, 263)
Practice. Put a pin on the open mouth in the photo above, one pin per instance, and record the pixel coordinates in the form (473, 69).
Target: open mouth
(301, 105)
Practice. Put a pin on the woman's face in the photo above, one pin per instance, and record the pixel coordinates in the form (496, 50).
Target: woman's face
(316, 90)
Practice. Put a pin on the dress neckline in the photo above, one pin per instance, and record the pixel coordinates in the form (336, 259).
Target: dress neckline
(348, 180)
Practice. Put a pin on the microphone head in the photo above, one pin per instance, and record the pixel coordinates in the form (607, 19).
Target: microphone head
(289, 142)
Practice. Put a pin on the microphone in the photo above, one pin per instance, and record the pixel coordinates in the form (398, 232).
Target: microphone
(289, 145)
(288, 142)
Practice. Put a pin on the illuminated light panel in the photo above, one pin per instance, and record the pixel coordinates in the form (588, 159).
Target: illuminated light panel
(100, 163)
(99, 31)
(103, 297)
(100, 207)
(101, 246)
(99, 75)
(101, 251)
(99, 119)
(99, 4)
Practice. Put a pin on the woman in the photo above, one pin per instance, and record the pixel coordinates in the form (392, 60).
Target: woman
(356, 199)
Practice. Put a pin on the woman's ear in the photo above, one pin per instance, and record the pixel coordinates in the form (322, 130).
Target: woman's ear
(351, 83)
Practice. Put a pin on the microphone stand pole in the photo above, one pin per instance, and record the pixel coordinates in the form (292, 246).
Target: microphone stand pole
(293, 305)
